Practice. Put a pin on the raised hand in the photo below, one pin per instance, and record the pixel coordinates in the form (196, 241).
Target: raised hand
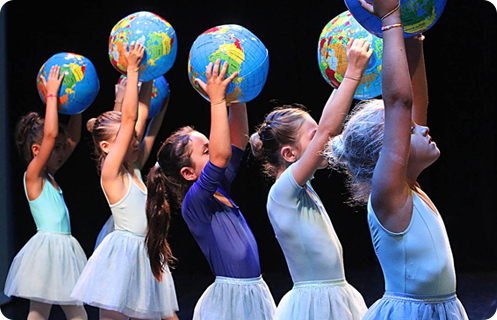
(216, 83)
(359, 52)
(380, 8)
(134, 56)
(54, 81)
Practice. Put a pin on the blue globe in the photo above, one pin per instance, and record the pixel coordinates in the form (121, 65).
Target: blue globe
(160, 91)
(417, 16)
(80, 85)
(155, 33)
(332, 55)
(244, 53)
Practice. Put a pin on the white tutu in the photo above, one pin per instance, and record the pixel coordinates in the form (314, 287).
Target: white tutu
(118, 277)
(46, 269)
(106, 230)
(396, 306)
(240, 299)
(321, 300)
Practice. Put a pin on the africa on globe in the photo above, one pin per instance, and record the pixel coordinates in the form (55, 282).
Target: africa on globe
(332, 55)
(244, 53)
(150, 30)
(80, 85)
(417, 16)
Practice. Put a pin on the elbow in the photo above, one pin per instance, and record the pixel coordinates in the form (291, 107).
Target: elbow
(220, 160)
(400, 100)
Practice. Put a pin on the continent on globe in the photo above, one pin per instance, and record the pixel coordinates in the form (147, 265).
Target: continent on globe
(155, 33)
(332, 55)
(80, 85)
(244, 53)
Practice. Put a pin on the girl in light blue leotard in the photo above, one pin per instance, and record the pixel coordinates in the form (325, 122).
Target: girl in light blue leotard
(383, 148)
(289, 143)
(48, 266)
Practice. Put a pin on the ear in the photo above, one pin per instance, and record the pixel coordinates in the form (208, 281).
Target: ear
(35, 149)
(105, 146)
(188, 173)
(289, 154)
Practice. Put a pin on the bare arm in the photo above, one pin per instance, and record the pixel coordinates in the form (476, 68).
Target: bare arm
(152, 132)
(73, 135)
(144, 99)
(334, 112)
(239, 129)
(34, 176)
(129, 115)
(417, 70)
(219, 140)
(390, 195)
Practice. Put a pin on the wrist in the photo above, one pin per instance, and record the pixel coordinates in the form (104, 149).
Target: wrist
(392, 19)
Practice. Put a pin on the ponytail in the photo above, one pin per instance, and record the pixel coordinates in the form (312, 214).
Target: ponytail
(158, 213)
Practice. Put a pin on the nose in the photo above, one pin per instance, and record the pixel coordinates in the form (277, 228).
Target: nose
(425, 130)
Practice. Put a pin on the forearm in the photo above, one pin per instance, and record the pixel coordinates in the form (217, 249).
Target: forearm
(74, 128)
(51, 126)
(129, 110)
(238, 122)
(219, 141)
(417, 71)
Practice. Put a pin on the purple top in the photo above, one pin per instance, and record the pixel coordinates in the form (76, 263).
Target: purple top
(221, 231)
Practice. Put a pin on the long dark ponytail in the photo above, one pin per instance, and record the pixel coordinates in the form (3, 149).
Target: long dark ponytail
(166, 190)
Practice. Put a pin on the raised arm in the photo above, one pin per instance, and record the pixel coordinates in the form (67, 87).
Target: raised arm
(417, 70)
(390, 195)
(129, 115)
(34, 177)
(239, 128)
(335, 111)
(219, 139)
(152, 132)
(73, 135)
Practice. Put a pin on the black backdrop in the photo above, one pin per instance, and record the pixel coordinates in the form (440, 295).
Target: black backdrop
(461, 67)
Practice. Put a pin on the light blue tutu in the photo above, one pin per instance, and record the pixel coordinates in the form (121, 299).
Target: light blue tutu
(321, 300)
(118, 277)
(397, 306)
(46, 269)
(240, 299)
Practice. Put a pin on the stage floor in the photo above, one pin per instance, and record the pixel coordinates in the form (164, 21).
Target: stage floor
(477, 292)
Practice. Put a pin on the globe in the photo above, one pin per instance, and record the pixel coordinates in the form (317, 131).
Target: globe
(244, 53)
(332, 54)
(155, 33)
(160, 91)
(80, 85)
(417, 16)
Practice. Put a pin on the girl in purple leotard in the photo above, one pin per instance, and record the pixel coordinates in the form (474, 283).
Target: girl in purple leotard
(195, 173)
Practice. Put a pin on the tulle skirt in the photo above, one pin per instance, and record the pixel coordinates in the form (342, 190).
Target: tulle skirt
(321, 300)
(118, 277)
(240, 299)
(106, 230)
(46, 269)
(397, 306)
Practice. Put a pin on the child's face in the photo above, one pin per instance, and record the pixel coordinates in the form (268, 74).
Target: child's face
(306, 134)
(200, 152)
(423, 150)
(133, 149)
(58, 153)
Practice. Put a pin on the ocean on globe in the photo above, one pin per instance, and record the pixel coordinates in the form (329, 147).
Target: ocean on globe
(332, 55)
(80, 85)
(160, 91)
(417, 16)
(244, 53)
(155, 33)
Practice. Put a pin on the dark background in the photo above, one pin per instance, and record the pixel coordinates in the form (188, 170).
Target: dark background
(461, 67)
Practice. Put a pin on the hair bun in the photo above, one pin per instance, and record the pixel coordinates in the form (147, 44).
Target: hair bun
(91, 124)
(256, 144)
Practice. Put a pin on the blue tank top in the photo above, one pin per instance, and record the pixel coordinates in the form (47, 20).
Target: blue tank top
(304, 231)
(129, 212)
(419, 260)
(49, 210)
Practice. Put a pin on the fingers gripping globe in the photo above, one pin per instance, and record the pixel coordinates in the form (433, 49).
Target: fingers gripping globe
(244, 53)
(80, 85)
(332, 55)
(150, 30)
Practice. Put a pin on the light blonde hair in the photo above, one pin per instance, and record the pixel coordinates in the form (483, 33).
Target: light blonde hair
(357, 149)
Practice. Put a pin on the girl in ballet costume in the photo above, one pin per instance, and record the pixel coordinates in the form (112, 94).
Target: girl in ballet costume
(48, 266)
(147, 139)
(118, 278)
(383, 149)
(289, 144)
(195, 174)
